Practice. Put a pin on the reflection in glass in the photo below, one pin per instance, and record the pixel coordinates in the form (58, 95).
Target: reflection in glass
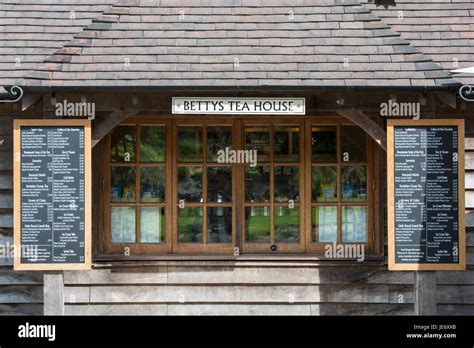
(353, 144)
(218, 138)
(189, 144)
(152, 143)
(354, 224)
(286, 183)
(287, 224)
(287, 143)
(152, 184)
(152, 224)
(257, 224)
(122, 144)
(324, 224)
(257, 184)
(190, 184)
(190, 225)
(219, 184)
(354, 183)
(219, 224)
(324, 184)
(324, 144)
(258, 138)
(122, 224)
(122, 184)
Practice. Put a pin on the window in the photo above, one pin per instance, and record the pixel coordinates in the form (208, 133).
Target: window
(197, 185)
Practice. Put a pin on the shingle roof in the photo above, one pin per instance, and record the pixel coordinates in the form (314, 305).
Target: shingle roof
(164, 43)
(31, 30)
(442, 29)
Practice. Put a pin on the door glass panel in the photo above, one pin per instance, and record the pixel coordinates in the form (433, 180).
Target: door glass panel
(353, 144)
(257, 224)
(354, 185)
(286, 183)
(152, 143)
(152, 225)
(190, 225)
(123, 144)
(324, 224)
(258, 138)
(219, 224)
(190, 184)
(287, 143)
(122, 185)
(219, 184)
(189, 144)
(324, 184)
(122, 224)
(218, 139)
(287, 224)
(152, 184)
(257, 184)
(324, 144)
(354, 224)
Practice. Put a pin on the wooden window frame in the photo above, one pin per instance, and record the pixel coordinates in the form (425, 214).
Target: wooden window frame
(305, 247)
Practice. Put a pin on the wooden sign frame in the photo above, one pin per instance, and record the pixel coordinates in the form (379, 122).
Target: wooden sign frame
(392, 265)
(17, 124)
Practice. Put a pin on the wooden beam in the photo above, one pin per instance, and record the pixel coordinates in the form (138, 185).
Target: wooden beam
(53, 292)
(367, 124)
(108, 123)
(425, 293)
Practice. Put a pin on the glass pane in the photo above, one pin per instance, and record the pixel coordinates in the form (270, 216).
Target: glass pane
(122, 224)
(190, 225)
(258, 138)
(324, 144)
(219, 184)
(152, 184)
(354, 224)
(286, 184)
(257, 224)
(123, 144)
(324, 184)
(152, 224)
(219, 224)
(354, 184)
(287, 225)
(353, 144)
(287, 143)
(324, 224)
(122, 184)
(152, 143)
(190, 184)
(257, 184)
(218, 138)
(189, 144)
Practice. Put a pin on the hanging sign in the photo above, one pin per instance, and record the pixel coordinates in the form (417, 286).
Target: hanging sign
(239, 106)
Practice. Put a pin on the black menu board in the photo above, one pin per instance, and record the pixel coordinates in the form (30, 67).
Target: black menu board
(426, 185)
(52, 194)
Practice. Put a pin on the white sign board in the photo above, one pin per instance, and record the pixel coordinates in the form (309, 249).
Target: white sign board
(239, 106)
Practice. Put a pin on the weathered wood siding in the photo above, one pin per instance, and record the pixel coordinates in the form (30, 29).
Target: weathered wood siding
(228, 289)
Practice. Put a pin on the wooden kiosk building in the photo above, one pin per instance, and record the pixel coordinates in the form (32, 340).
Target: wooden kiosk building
(176, 231)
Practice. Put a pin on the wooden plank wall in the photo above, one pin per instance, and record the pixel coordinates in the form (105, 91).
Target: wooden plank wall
(455, 290)
(21, 293)
(227, 289)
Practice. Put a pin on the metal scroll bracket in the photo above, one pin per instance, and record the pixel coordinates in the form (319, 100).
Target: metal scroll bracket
(15, 91)
(466, 92)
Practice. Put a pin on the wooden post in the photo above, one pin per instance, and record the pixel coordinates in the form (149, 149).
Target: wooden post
(53, 293)
(425, 293)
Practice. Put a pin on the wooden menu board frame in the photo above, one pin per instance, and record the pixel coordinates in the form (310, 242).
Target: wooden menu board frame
(17, 124)
(392, 265)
